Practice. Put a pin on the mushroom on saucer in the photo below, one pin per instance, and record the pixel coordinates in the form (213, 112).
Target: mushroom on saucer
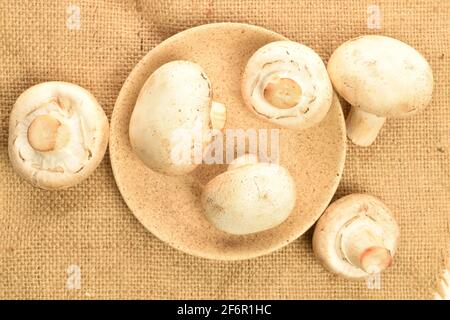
(286, 83)
(249, 197)
(380, 77)
(356, 237)
(174, 115)
(58, 134)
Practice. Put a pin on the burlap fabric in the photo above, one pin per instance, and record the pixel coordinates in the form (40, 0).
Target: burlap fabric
(47, 237)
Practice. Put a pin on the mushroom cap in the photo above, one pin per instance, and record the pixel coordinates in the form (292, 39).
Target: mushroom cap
(58, 134)
(287, 83)
(382, 76)
(352, 212)
(173, 105)
(249, 197)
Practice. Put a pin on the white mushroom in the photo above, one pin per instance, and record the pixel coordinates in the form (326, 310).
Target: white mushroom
(249, 197)
(287, 83)
(380, 77)
(356, 237)
(58, 134)
(174, 111)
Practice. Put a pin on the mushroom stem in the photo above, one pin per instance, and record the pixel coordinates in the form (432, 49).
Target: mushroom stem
(363, 127)
(283, 93)
(218, 115)
(46, 134)
(364, 249)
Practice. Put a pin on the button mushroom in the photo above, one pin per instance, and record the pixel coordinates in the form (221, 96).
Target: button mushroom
(380, 77)
(356, 237)
(58, 134)
(249, 197)
(287, 83)
(174, 105)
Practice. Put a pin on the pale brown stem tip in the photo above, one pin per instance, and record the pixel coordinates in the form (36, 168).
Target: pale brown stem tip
(42, 133)
(364, 248)
(375, 259)
(283, 93)
(363, 127)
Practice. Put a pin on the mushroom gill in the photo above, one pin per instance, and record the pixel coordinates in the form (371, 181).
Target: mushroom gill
(52, 137)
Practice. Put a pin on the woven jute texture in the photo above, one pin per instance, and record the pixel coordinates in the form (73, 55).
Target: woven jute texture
(49, 240)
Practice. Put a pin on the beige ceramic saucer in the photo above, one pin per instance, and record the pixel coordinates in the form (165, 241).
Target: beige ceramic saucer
(169, 207)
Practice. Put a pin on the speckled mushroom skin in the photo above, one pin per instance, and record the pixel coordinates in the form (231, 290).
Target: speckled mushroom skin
(176, 96)
(382, 76)
(249, 198)
(170, 206)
